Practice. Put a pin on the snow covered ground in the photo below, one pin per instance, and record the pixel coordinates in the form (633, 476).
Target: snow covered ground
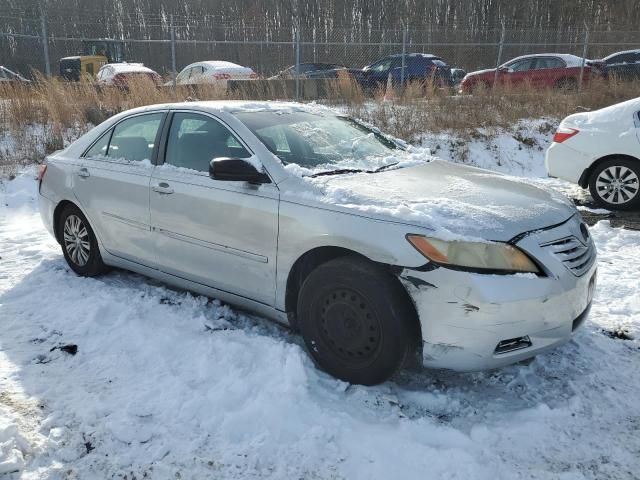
(165, 384)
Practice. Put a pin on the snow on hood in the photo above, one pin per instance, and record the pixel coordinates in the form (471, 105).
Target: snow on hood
(456, 202)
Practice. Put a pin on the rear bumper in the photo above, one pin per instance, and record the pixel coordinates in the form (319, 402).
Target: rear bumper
(562, 161)
(465, 316)
(46, 208)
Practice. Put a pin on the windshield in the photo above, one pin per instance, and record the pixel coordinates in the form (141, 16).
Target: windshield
(320, 141)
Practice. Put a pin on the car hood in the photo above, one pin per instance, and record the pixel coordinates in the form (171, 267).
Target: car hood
(481, 72)
(452, 200)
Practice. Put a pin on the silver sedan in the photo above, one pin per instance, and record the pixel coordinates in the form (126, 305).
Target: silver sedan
(377, 253)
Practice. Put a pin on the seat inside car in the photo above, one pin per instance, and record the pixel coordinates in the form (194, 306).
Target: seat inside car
(134, 149)
(195, 150)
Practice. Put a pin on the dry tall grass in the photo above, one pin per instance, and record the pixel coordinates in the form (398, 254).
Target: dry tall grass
(45, 115)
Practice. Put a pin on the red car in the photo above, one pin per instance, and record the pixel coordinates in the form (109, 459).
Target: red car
(544, 70)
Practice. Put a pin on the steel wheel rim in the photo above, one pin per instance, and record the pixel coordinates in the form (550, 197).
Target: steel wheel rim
(617, 184)
(76, 240)
(349, 328)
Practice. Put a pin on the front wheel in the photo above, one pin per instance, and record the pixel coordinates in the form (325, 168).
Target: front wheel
(355, 320)
(79, 244)
(615, 184)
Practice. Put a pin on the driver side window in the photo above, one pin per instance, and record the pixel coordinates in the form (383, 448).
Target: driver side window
(194, 140)
(521, 65)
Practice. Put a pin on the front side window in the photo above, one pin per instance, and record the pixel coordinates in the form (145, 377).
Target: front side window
(133, 139)
(195, 140)
(196, 71)
(183, 75)
(521, 65)
(381, 66)
(320, 141)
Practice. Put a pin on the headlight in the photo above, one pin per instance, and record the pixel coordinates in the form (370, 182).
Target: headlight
(496, 257)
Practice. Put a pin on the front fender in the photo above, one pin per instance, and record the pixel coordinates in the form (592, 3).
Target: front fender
(304, 228)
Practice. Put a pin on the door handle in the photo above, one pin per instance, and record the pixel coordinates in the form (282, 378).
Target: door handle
(83, 172)
(163, 188)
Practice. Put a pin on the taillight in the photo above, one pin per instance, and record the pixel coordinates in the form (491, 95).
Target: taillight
(221, 76)
(564, 133)
(42, 169)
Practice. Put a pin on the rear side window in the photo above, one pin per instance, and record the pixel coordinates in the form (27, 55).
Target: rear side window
(99, 149)
(551, 62)
(195, 140)
(134, 139)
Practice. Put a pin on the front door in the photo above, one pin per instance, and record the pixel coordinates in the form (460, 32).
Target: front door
(112, 186)
(218, 233)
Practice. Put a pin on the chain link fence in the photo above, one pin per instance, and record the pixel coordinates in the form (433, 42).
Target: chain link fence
(169, 44)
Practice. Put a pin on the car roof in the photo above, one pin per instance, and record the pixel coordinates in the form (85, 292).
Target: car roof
(424, 55)
(217, 64)
(128, 67)
(570, 60)
(235, 106)
(635, 50)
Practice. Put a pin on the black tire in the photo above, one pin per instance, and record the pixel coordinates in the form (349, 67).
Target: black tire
(628, 192)
(93, 264)
(355, 319)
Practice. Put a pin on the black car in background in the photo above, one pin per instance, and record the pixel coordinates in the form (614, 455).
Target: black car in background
(305, 69)
(415, 67)
(622, 65)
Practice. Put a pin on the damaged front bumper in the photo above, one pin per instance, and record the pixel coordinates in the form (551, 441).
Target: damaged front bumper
(472, 321)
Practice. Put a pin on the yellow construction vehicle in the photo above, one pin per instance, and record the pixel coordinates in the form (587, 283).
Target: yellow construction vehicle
(97, 53)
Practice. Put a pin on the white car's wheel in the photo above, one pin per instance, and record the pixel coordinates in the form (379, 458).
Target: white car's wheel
(615, 184)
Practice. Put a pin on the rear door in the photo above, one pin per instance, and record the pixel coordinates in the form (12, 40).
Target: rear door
(547, 71)
(222, 234)
(112, 185)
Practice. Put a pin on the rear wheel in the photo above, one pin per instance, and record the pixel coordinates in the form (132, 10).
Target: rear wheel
(615, 184)
(79, 244)
(355, 320)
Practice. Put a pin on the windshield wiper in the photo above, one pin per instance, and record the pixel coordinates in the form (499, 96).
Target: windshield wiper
(341, 171)
(384, 167)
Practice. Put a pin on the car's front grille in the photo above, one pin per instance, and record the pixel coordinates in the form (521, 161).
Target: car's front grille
(576, 255)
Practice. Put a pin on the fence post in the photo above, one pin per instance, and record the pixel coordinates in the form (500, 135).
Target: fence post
(499, 59)
(404, 52)
(173, 50)
(44, 38)
(584, 54)
(297, 57)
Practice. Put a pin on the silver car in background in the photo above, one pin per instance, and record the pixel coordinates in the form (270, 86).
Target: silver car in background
(377, 253)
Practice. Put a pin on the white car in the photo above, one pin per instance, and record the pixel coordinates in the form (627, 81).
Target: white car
(379, 254)
(601, 150)
(120, 74)
(214, 71)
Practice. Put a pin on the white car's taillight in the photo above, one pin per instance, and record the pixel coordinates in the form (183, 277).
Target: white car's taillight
(42, 169)
(564, 133)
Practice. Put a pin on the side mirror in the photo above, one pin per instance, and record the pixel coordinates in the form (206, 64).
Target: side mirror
(236, 170)
(505, 70)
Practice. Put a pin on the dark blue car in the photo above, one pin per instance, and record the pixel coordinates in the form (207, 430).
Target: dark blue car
(416, 67)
